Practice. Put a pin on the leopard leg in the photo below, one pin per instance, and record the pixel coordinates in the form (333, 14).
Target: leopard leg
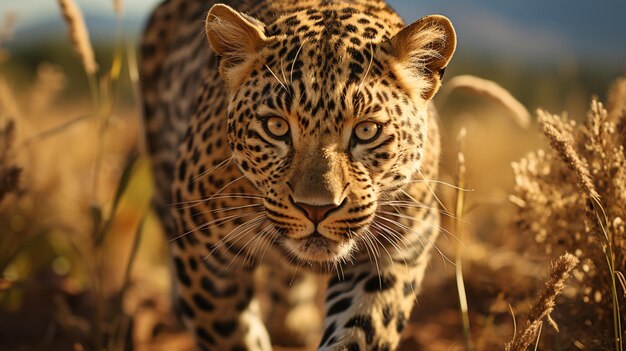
(369, 306)
(293, 316)
(217, 303)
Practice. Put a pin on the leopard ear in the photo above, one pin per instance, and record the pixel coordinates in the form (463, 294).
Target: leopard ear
(236, 38)
(423, 50)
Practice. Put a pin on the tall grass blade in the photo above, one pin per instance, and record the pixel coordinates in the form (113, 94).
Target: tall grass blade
(121, 188)
(458, 228)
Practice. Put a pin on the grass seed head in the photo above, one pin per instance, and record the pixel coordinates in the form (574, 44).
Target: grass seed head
(545, 303)
(79, 35)
(571, 199)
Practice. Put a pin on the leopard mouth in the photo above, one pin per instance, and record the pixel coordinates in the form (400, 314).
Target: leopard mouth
(317, 248)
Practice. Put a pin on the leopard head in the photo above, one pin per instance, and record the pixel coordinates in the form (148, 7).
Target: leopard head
(328, 115)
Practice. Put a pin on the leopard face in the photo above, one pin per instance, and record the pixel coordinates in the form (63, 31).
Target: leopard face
(327, 117)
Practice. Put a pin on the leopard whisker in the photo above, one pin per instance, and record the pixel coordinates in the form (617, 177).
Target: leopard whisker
(420, 236)
(293, 277)
(335, 266)
(265, 242)
(249, 255)
(282, 72)
(367, 250)
(277, 79)
(209, 224)
(227, 209)
(233, 236)
(397, 204)
(409, 204)
(236, 235)
(227, 185)
(370, 244)
(439, 227)
(212, 169)
(436, 181)
(193, 203)
(369, 67)
(370, 237)
(253, 227)
(272, 239)
(214, 194)
(386, 230)
(233, 233)
(393, 243)
(429, 188)
(293, 63)
(375, 237)
(397, 236)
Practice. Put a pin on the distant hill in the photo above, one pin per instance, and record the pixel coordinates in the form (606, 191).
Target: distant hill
(101, 29)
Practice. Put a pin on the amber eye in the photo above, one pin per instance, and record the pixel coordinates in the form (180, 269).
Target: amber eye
(366, 132)
(276, 127)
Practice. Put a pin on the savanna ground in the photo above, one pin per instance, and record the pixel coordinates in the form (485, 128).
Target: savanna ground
(84, 265)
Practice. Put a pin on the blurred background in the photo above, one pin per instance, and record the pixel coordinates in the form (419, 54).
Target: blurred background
(83, 264)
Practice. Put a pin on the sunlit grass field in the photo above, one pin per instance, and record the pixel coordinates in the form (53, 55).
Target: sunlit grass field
(84, 264)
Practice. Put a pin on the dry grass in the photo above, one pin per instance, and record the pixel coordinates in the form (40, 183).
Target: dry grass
(458, 230)
(70, 254)
(8, 106)
(79, 35)
(9, 172)
(545, 304)
(94, 260)
(571, 198)
(6, 33)
(118, 6)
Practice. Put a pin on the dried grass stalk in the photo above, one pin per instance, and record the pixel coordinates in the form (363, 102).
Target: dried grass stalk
(545, 303)
(458, 228)
(616, 101)
(79, 35)
(491, 90)
(49, 83)
(8, 104)
(564, 147)
(571, 199)
(118, 5)
(6, 32)
(9, 173)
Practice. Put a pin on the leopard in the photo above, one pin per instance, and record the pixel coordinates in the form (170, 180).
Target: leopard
(295, 151)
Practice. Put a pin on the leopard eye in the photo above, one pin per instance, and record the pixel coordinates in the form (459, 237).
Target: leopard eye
(276, 127)
(366, 132)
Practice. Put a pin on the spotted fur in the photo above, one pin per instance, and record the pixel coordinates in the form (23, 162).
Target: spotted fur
(220, 83)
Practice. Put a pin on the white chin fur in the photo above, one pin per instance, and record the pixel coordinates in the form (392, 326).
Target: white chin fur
(319, 250)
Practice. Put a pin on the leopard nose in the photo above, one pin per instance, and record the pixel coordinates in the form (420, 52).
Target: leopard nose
(316, 213)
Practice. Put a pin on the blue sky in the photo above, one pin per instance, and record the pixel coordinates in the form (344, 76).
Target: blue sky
(527, 30)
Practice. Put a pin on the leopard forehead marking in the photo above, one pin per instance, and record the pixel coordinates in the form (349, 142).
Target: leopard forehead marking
(321, 56)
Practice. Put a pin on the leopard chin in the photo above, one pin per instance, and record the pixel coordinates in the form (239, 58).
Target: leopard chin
(318, 249)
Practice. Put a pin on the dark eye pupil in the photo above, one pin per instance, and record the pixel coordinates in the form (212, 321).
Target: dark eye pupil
(367, 131)
(276, 127)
